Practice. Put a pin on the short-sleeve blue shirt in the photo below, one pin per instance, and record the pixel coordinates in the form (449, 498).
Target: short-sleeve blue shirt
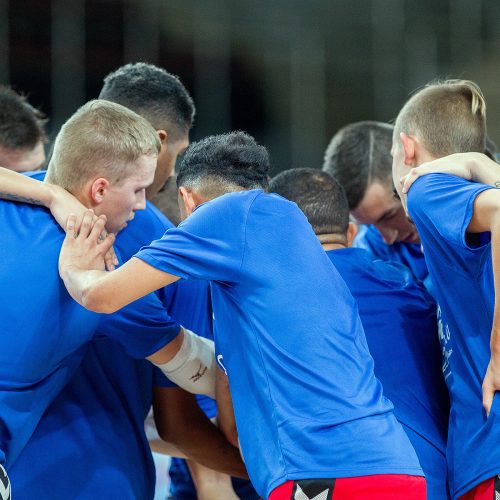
(399, 319)
(44, 331)
(306, 402)
(98, 418)
(461, 269)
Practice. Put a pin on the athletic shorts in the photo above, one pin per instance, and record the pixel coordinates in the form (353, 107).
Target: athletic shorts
(487, 490)
(378, 487)
(4, 485)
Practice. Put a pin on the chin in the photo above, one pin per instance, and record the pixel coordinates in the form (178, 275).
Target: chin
(116, 229)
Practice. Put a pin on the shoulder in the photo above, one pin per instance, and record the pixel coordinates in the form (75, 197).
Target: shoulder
(439, 188)
(361, 266)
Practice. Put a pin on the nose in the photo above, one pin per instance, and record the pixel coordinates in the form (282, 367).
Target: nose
(389, 235)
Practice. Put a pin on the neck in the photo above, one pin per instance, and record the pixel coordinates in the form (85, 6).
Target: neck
(423, 156)
(332, 241)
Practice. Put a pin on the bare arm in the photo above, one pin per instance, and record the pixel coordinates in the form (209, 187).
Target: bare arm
(210, 484)
(180, 421)
(225, 411)
(475, 167)
(164, 448)
(24, 189)
(81, 266)
(188, 359)
(18, 187)
(486, 217)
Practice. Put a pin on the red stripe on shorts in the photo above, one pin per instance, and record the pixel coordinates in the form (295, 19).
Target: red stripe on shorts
(377, 487)
(484, 491)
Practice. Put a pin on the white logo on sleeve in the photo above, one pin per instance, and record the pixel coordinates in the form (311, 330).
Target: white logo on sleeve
(219, 360)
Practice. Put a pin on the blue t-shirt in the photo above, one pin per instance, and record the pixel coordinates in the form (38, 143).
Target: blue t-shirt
(399, 319)
(92, 435)
(441, 207)
(44, 331)
(90, 443)
(306, 402)
(408, 254)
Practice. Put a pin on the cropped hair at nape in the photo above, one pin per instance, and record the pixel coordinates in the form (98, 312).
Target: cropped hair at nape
(318, 195)
(230, 161)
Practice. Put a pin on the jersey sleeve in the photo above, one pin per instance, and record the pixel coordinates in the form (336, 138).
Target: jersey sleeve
(444, 204)
(142, 328)
(209, 245)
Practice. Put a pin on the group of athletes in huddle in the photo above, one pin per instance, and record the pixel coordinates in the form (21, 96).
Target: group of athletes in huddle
(347, 363)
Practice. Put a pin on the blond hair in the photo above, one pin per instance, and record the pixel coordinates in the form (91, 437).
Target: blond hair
(448, 117)
(102, 139)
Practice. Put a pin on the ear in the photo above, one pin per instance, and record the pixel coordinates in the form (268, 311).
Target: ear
(163, 135)
(352, 231)
(98, 190)
(409, 149)
(186, 201)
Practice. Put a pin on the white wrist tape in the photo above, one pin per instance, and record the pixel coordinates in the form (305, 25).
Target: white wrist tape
(193, 368)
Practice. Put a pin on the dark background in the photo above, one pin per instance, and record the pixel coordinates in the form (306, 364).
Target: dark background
(290, 72)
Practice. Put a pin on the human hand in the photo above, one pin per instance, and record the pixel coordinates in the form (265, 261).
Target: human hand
(458, 164)
(62, 204)
(491, 383)
(86, 248)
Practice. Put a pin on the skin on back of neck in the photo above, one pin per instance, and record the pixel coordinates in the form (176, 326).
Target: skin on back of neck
(332, 241)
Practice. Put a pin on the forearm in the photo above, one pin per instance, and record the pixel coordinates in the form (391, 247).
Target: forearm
(483, 169)
(495, 251)
(18, 187)
(83, 286)
(164, 448)
(206, 445)
(189, 361)
(209, 484)
(181, 422)
(225, 411)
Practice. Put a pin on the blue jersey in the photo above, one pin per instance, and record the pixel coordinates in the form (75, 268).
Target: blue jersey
(306, 402)
(92, 436)
(461, 269)
(90, 443)
(408, 254)
(44, 330)
(399, 319)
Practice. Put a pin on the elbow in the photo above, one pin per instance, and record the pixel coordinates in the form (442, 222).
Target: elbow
(94, 300)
